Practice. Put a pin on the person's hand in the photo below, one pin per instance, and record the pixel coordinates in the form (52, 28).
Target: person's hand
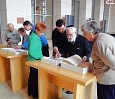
(55, 49)
(18, 47)
(10, 42)
(90, 65)
(57, 55)
(84, 59)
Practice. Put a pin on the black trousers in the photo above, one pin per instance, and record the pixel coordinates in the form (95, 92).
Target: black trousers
(33, 83)
(105, 91)
(45, 50)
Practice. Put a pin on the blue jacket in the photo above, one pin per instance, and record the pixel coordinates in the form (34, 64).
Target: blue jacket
(43, 39)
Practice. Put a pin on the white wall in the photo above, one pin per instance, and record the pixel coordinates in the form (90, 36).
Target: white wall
(60, 9)
(111, 20)
(85, 12)
(18, 8)
(10, 10)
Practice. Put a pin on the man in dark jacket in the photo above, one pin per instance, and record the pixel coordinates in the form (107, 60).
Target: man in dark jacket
(77, 44)
(59, 38)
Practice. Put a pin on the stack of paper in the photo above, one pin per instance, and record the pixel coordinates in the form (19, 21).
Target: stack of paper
(81, 68)
(73, 63)
(15, 51)
(51, 60)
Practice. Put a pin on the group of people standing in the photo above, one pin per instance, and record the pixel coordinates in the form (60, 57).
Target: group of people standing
(36, 44)
(67, 42)
(100, 46)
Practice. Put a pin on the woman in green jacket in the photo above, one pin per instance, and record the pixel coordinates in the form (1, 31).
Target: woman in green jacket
(35, 53)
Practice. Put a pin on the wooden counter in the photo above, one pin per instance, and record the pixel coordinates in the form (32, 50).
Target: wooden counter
(12, 67)
(52, 77)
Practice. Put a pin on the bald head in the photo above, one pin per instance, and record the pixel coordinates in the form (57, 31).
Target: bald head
(71, 34)
(10, 27)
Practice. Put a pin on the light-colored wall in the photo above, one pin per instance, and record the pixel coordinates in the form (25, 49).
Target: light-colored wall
(85, 12)
(60, 9)
(11, 9)
(111, 20)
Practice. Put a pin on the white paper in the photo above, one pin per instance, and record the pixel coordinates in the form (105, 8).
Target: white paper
(73, 60)
(15, 51)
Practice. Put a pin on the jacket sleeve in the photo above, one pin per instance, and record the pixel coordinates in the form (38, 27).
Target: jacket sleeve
(35, 48)
(18, 38)
(87, 49)
(43, 40)
(106, 53)
(54, 40)
(25, 45)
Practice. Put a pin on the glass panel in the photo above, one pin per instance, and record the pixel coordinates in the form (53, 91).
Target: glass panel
(42, 12)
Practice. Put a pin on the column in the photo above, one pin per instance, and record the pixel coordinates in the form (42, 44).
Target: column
(60, 9)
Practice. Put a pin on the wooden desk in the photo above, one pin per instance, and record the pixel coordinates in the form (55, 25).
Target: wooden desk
(12, 67)
(2, 46)
(51, 78)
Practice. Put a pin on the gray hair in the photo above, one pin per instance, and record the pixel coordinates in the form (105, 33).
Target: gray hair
(71, 28)
(10, 24)
(91, 26)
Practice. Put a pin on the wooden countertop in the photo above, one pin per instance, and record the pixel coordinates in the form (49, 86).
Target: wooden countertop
(62, 73)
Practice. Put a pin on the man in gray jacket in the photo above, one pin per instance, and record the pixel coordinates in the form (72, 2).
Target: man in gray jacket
(12, 36)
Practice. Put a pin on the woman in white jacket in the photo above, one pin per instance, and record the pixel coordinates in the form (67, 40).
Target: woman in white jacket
(103, 55)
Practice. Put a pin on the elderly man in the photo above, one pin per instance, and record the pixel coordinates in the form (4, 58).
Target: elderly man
(77, 44)
(12, 36)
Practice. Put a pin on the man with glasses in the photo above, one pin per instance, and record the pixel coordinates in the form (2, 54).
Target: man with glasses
(12, 36)
(59, 38)
(77, 44)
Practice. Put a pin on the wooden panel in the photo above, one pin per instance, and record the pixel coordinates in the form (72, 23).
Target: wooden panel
(19, 73)
(20, 20)
(63, 83)
(46, 88)
(4, 69)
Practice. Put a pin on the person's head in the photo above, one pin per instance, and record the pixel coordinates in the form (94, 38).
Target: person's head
(60, 25)
(22, 31)
(27, 25)
(71, 34)
(90, 30)
(10, 27)
(40, 28)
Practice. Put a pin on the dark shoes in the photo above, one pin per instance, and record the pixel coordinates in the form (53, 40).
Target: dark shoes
(69, 92)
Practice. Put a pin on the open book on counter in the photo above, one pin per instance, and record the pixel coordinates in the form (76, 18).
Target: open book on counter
(15, 51)
(73, 63)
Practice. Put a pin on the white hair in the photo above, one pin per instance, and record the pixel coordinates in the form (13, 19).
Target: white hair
(72, 28)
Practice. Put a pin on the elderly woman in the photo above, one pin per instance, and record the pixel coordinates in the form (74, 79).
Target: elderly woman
(35, 53)
(103, 55)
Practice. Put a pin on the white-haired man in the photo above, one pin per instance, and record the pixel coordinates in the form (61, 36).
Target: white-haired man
(77, 44)
(12, 36)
